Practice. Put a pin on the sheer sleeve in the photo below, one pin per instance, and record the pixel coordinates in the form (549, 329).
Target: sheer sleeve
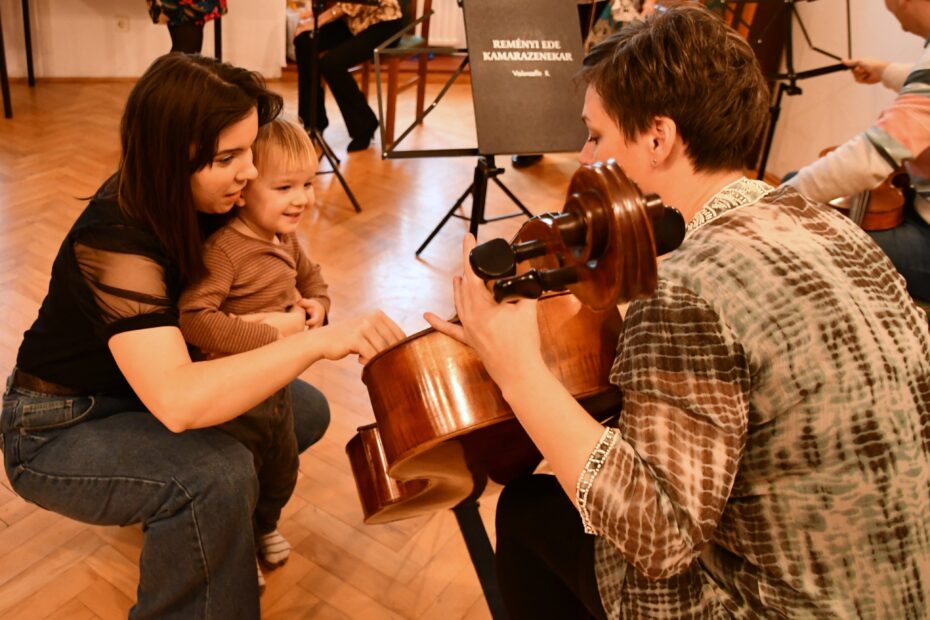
(128, 291)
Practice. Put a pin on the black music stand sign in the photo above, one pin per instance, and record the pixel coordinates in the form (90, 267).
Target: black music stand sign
(525, 56)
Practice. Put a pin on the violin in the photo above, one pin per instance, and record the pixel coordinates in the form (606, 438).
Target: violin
(443, 430)
(880, 208)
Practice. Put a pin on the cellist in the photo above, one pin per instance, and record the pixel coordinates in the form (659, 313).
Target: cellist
(769, 458)
(899, 137)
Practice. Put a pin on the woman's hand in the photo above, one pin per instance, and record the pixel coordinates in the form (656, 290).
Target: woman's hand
(314, 311)
(505, 336)
(365, 336)
(866, 70)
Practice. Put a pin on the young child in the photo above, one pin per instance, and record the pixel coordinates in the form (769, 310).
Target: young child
(261, 287)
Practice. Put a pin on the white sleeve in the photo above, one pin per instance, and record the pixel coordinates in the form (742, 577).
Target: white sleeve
(894, 75)
(854, 167)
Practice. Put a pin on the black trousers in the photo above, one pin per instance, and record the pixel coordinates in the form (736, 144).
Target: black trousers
(340, 50)
(267, 430)
(585, 12)
(544, 560)
(187, 38)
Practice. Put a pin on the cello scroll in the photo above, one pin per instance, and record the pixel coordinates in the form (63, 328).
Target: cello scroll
(601, 247)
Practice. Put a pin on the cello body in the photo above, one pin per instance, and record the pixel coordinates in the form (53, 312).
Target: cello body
(444, 429)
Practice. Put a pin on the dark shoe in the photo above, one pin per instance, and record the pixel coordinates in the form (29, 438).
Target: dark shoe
(522, 161)
(360, 143)
(363, 141)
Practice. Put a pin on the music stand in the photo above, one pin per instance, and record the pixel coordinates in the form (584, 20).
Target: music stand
(485, 170)
(788, 81)
(316, 135)
(524, 92)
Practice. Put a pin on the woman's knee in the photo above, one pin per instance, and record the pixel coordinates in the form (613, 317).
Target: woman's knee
(311, 413)
(225, 478)
(235, 470)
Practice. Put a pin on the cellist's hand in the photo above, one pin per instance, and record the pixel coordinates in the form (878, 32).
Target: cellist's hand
(505, 336)
(866, 70)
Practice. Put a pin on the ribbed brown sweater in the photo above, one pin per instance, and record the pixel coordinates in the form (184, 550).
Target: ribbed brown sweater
(246, 275)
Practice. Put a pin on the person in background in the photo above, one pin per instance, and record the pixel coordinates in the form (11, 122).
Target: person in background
(185, 20)
(771, 458)
(348, 35)
(900, 137)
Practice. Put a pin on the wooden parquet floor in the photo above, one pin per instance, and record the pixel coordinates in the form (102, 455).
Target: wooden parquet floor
(62, 142)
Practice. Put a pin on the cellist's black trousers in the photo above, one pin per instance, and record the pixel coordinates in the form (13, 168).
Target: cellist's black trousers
(544, 560)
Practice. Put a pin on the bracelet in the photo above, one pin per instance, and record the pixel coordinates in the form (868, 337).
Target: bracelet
(589, 473)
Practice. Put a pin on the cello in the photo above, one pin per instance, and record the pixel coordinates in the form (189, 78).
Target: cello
(880, 208)
(443, 429)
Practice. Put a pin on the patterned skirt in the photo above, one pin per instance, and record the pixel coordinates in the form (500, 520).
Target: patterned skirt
(183, 12)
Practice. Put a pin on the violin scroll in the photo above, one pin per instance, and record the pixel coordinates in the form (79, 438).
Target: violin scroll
(602, 247)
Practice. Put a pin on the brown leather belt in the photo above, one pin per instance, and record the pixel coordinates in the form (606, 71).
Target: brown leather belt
(31, 382)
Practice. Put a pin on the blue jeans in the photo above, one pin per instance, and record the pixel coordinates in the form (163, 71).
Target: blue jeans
(908, 247)
(106, 461)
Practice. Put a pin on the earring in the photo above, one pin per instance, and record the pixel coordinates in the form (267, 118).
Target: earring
(653, 162)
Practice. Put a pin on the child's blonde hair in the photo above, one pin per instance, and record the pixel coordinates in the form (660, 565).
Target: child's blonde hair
(288, 141)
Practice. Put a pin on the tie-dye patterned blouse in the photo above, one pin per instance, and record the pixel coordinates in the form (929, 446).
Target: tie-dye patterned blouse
(182, 12)
(773, 453)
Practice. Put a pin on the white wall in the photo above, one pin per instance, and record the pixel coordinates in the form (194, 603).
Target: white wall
(81, 38)
(833, 108)
(107, 38)
(447, 26)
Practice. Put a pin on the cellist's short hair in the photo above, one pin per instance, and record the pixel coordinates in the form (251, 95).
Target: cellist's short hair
(685, 63)
(287, 141)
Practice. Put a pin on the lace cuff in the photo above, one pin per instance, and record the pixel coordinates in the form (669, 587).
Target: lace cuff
(589, 473)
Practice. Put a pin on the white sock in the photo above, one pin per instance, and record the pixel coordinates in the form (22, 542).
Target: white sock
(274, 548)
(261, 578)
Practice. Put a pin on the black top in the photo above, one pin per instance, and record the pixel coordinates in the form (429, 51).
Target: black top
(110, 276)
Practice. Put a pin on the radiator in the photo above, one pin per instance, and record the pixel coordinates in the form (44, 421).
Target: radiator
(446, 27)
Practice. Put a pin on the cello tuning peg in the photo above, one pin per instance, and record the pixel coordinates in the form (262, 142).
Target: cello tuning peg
(668, 230)
(529, 249)
(668, 225)
(493, 259)
(526, 286)
(533, 283)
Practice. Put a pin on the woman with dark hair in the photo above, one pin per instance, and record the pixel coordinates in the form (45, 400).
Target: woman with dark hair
(771, 455)
(105, 417)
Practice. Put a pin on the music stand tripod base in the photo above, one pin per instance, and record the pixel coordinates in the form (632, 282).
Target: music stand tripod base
(316, 136)
(485, 170)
